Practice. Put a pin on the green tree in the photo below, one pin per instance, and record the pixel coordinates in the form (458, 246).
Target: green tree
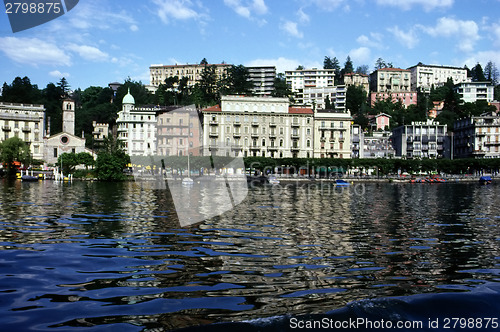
(380, 63)
(477, 73)
(52, 100)
(11, 150)
(141, 95)
(68, 162)
(21, 91)
(111, 160)
(348, 66)
(238, 81)
(491, 72)
(208, 85)
(280, 87)
(63, 86)
(355, 98)
(362, 70)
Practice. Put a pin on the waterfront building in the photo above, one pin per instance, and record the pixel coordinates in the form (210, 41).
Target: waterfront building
(65, 141)
(378, 144)
(257, 126)
(477, 137)
(136, 127)
(471, 92)
(357, 79)
(158, 73)
(332, 134)
(420, 140)
(357, 141)
(423, 77)
(25, 121)
(263, 79)
(179, 132)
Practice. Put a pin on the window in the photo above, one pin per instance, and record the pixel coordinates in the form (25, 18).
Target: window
(55, 152)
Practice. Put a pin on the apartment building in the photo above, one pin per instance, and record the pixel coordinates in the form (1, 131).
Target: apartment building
(136, 127)
(25, 121)
(357, 79)
(158, 73)
(262, 79)
(297, 80)
(258, 126)
(423, 77)
(179, 132)
(393, 84)
(332, 134)
(420, 140)
(471, 92)
(477, 137)
(316, 97)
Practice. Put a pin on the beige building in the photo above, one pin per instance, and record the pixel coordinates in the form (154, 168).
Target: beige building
(357, 79)
(390, 80)
(258, 126)
(332, 134)
(137, 128)
(25, 121)
(297, 80)
(158, 73)
(314, 97)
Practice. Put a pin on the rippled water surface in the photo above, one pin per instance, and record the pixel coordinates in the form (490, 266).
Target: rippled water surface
(105, 256)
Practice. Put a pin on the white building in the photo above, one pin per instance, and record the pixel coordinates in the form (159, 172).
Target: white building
(297, 80)
(316, 97)
(420, 140)
(257, 126)
(471, 92)
(25, 121)
(137, 128)
(423, 77)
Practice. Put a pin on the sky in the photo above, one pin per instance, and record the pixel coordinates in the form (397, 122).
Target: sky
(103, 41)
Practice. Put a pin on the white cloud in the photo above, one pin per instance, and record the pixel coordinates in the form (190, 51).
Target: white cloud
(482, 58)
(282, 64)
(34, 52)
(361, 55)
(291, 28)
(58, 74)
(176, 10)
(89, 52)
(466, 32)
(134, 27)
(408, 39)
(248, 9)
(329, 5)
(303, 17)
(428, 5)
(495, 30)
(374, 40)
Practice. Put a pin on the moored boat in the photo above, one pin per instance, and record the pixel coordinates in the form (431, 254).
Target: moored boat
(485, 179)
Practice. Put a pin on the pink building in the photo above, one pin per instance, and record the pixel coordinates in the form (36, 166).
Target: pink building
(379, 121)
(407, 98)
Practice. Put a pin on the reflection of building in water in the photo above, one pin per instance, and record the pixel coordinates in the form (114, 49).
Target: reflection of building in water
(179, 131)
(281, 234)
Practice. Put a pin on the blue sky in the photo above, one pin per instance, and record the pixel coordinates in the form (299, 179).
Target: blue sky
(102, 41)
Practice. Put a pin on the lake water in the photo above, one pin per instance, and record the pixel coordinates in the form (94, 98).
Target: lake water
(112, 256)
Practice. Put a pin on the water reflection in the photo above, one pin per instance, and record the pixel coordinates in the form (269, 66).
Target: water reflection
(86, 253)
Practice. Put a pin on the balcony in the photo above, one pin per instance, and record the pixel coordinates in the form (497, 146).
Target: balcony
(295, 148)
(272, 148)
(26, 129)
(341, 139)
(492, 143)
(214, 123)
(254, 135)
(255, 147)
(255, 124)
(6, 128)
(295, 136)
(236, 134)
(272, 124)
(213, 134)
(237, 147)
(237, 123)
(272, 135)
(295, 124)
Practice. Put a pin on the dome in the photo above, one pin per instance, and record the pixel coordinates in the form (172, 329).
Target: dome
(128, 99)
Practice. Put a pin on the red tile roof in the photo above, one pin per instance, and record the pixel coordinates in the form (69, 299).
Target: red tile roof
(300, 110)
(393, 69)
(215, 108)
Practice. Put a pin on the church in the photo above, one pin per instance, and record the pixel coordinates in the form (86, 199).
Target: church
(65, 141)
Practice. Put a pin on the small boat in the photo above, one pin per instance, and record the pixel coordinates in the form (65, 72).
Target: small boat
(29, 178)
(187, 181)
(485, 179)
(273, 180)
(340, 182)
